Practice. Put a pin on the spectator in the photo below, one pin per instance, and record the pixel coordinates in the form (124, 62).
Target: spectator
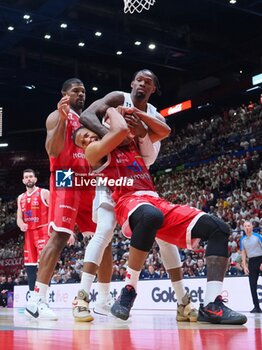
(251, 247)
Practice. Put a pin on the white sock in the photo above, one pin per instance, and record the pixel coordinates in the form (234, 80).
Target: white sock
(40, 291)
(132, 277)
(179, 290)
(86, 281)
(103, 292)
(213, 289)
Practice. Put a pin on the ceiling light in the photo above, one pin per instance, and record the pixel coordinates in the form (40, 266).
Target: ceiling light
(47, 36)
(232, 1)
(151, 46)
(253, 88)
(26, 16)
(119, 53)
(137, 43)
(94, 88)
(10, 28)
(63, 25)
(240, 71)
(4, 144)
(98, 33)
(81, 44)
(29, 87)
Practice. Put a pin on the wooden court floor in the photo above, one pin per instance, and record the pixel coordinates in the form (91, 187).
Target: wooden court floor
(144, 330)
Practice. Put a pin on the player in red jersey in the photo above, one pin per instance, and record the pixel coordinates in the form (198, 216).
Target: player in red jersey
(144, 84)
(68, 205)
(146, 216)
(32, 219)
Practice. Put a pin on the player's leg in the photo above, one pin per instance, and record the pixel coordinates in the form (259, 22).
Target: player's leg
(104, 299)
(216, 232)
(30, 260)
(93, 258)
(63, 209)
(39, 307)
(144, 223)
(254, 270)
(172, 263)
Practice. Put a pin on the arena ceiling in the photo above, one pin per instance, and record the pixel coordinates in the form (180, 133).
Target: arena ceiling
(203, 49)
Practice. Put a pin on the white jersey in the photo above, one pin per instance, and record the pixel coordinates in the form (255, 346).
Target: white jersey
(103, 193)
(151, 110)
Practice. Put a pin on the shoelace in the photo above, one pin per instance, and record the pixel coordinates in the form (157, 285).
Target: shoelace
(222, 300)
(82, 308)
(126, 299)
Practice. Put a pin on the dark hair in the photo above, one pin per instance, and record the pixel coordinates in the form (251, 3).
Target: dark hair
(69, 82)
(74, 134)
(155, 79)
(29, 171)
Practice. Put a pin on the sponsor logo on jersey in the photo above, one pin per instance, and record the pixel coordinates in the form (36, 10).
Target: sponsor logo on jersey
(135, 167)
(28, 213)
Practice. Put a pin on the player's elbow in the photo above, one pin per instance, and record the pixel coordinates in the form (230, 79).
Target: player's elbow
(84, 120)
(52, 149)
(92, 158)
(166, 132)
(163, 133)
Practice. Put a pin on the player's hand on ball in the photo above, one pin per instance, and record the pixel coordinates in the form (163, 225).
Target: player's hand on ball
(136, 126)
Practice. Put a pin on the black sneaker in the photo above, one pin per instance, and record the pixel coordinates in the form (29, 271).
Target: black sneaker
(122, 306)
(217, 312)
(256, 310)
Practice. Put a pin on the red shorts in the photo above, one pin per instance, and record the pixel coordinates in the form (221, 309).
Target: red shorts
(35, 240)
(179, 220)
(68, 207)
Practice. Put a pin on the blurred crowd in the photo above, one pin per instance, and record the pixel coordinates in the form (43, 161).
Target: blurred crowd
(234, 129)
(7, 214)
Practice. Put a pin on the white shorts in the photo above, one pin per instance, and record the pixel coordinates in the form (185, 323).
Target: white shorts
(102, 198)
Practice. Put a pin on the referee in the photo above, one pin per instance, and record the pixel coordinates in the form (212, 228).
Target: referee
(251, 247)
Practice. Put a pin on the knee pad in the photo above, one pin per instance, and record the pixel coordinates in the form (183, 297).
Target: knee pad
(169, 254)
(144, 223)
(106, 223)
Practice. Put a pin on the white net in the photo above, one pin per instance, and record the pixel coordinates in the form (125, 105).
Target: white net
(137, 5)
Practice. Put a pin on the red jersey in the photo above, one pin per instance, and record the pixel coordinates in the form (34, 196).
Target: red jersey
(71, 157)
(70, 205)
(34, 209)
(127, 163)
(127, 168)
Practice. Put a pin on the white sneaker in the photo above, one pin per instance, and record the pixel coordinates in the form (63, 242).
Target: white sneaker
(40, 310)
(80, 305)
(103, 307)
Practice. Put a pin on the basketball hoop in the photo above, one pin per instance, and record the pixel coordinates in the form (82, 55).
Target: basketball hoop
(137, 5)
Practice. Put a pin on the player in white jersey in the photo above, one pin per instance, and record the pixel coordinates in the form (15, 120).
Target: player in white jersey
(144, 84)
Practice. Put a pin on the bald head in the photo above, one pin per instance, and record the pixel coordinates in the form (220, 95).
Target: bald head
(248, 228)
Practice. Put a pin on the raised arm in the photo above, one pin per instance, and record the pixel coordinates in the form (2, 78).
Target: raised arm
(158, 129)
(118, 131)
(56, 128)
(91, 117)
